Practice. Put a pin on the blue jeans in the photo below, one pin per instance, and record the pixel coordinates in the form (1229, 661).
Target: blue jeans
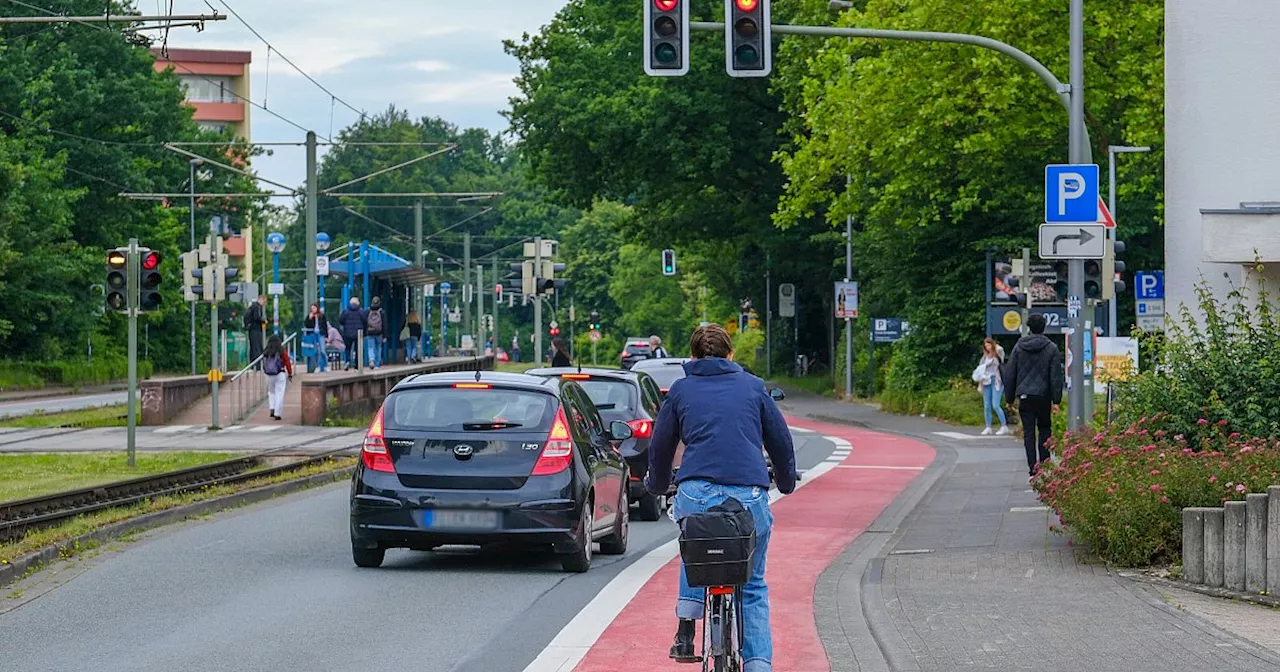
(990, 399)
(373, 351)
(698, 496)
(411, 349)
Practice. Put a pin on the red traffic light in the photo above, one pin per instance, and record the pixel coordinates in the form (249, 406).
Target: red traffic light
(747, 5)
(151, 260)
(670, 5)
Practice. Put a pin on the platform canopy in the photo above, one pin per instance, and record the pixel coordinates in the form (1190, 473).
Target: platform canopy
(379, 264)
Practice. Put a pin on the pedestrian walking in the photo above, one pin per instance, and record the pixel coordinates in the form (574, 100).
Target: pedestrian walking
(316, 329)
(352, 322)
(1034, 377)
(991, 384)
(255, 324)
(412, 336)
(515, 348)
(375, 326)
(656, 351)
(333, 343)
(278, 369)
(559, 353)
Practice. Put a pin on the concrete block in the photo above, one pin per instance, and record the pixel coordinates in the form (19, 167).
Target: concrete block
(1255, 543)
(1213, 548)
(1193, 544)
(1235, 515)
(1273, 540)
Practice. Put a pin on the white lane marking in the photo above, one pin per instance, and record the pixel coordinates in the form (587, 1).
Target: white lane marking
(797, 430)
(232, 428)
(958, 435)
(878, 466)
(1028, 509)
(571, 645)
(174, 429)
(265, 428)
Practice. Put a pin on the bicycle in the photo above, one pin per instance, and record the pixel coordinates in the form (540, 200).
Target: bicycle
(722, 632)
(716, 549)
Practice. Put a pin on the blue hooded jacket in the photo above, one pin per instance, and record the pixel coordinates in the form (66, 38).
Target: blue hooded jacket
(723, 414)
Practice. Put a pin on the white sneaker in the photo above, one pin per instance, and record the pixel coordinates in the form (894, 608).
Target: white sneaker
(1004, 430)
(986, 432)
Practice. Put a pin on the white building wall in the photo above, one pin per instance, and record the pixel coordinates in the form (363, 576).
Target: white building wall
(1222, 127)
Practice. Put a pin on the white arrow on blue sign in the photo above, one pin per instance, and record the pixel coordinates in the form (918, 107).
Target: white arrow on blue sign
(1071, 194)
(1149, 285)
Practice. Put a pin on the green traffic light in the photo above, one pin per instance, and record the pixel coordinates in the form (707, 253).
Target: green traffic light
(747, 56)
(666, 54)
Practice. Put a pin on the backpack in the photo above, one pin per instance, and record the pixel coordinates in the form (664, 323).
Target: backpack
(272, 365)
(375, 321)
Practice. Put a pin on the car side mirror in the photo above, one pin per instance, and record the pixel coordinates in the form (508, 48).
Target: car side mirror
(620, 431)
(777, 394)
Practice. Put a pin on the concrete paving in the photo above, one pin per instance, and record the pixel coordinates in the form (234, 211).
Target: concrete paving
(58, 404)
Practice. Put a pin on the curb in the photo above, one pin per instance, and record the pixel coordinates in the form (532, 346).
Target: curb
(870, 640)
(1223, 593)
(20, 566)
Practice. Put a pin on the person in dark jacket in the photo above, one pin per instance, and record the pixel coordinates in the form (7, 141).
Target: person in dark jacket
(375, 321)
(723, 415)
(255, 324)
(1034, 377)
(559, 353)
(352, 322)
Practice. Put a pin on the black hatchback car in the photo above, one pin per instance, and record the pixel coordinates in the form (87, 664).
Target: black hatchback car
(634, 350)
(489, 458)
(626, 396)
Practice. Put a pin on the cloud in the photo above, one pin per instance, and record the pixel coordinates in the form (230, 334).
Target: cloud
(477, 87)
(431, 66)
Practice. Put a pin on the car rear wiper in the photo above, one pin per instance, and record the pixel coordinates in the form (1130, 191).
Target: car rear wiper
(606, 407)
(482, 426)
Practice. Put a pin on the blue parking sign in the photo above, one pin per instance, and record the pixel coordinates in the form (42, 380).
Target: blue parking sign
(1071, 194)
(1149, 285)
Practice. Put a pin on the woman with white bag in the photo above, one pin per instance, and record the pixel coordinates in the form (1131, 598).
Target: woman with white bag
(990, 384)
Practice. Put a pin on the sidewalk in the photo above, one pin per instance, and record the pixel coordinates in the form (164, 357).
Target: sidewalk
(973, 578)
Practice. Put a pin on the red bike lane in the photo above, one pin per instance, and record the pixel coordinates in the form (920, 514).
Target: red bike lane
(811, 528)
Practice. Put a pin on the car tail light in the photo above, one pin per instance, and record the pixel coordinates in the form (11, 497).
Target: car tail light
(664, 390)
(641, 429)
(374, 452)
(558, 452)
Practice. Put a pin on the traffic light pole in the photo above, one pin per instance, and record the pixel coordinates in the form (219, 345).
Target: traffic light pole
(214, 363)
(848, 323)
(194, 163)
(537, 301)
(132, 290)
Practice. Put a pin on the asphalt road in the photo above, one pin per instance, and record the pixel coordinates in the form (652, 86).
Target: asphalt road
(58, 404)
(272, 587)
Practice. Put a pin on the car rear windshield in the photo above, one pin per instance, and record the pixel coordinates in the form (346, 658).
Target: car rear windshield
(638, 349)
(611, 395)
(448, 408)
(666, 375)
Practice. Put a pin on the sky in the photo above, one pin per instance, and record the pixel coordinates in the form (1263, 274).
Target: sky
(431, 57)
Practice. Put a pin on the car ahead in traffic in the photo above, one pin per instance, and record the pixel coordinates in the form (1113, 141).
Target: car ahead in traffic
(487, 458)
(626, 396)
(634, 350)
(665, 372)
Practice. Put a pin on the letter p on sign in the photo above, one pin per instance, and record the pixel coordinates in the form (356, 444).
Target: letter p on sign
(1071, 194)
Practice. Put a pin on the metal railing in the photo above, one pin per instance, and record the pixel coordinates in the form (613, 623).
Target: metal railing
(247, 389)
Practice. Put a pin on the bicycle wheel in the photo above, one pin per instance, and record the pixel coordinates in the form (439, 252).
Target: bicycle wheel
(727, 656)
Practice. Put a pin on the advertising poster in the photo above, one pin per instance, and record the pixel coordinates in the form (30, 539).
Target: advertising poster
(847, 300)
(1044, 279)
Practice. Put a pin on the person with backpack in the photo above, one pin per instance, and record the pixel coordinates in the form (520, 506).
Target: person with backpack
(278, 369)
(375, 325)
(1034, 379)
(352, 322)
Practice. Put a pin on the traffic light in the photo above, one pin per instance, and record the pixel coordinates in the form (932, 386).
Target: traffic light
(1060, 285)
(595, 320)
(666, 38)
(149, 279)
(497, 291)
(1093, 278)
(748, 40)
(117, 283)
(1110, 268)
(668, 262)
(525, 269)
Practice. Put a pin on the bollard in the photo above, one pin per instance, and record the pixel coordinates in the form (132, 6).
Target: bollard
(1233, 547)
(1213, 548)
(1255, 543)
(1273, 539)
(1193, 544)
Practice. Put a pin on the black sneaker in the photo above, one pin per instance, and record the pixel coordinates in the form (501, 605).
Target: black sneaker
(682, 647)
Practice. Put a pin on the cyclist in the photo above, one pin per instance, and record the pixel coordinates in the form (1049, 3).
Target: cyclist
(723, 415)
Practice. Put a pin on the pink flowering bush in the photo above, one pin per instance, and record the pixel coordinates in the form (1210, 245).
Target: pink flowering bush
(1121, 491)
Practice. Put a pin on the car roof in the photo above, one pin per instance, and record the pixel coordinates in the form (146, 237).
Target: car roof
(665, 361)
(518, 380)
(558, 371)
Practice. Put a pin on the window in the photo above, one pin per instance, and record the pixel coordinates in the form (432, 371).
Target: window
(603, 392)
(445, 408)
(216, 127)
(210, 89)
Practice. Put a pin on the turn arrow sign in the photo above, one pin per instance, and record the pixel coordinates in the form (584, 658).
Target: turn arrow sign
(1084, 237)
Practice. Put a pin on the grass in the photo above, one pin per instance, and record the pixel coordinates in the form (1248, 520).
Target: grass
(61, 534)
(101, 416)
(32, 475)
(514, 367)
(822, 385)
(13, 378)
(959, 404)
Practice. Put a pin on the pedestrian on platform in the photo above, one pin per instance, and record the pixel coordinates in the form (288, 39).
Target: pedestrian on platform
(560, 353)
(991, 384)
(375, 329)
(278, 369)
(413, 327)
(333, 343)
(352, 321)
(255, 324)
(315, 328)
(1034, 378)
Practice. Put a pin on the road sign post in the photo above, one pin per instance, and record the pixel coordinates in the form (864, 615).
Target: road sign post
(1071, 230)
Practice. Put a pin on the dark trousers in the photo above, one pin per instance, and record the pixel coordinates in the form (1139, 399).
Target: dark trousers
(255, 343)
(1037, 425)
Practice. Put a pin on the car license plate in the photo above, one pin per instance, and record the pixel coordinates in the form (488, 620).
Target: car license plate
(460, 520)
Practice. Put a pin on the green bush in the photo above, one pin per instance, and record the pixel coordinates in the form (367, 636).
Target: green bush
(1225, 366)
(1121, 492)
(68, 373)
(17, 376)
(745, 344)
(958, 403)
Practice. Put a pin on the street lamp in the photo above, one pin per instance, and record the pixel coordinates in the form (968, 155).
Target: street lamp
(275, 243)
(1111, 233)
